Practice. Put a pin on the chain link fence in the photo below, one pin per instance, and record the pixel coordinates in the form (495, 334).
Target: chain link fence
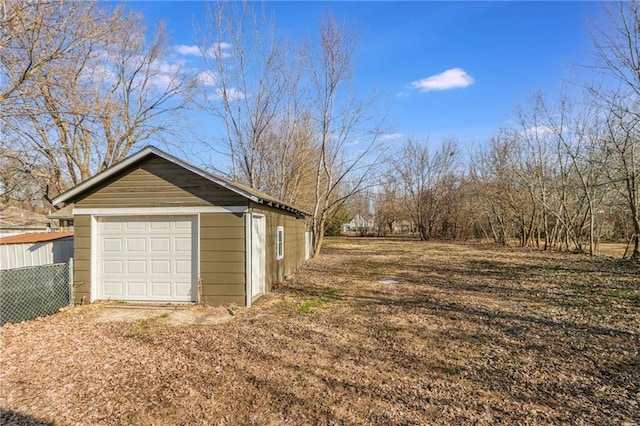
(28, 293)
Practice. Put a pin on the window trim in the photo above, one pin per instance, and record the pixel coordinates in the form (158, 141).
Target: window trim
(279, 242)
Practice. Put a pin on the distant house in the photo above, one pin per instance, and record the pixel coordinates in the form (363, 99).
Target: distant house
(63, 217)
(358, 224)
(154, 228)
(403, 226)
(14, 220)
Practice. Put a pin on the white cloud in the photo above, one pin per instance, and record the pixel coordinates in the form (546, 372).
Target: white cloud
(100, 72)
(402, 95)
(188, 50)
(165, 75)
(539, 131)
(219, 48)
(232, 94)
(221, 45)
(207, 78)
(449, 79)
(390, 136)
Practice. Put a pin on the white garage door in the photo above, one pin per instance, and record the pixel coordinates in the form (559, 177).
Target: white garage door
(147, 258)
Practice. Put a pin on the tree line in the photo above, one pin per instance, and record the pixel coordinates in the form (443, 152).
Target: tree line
(84, 83)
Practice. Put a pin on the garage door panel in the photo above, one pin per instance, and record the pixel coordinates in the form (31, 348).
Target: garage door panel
(159, 225)
(136, 267)
(136, 288)
(183, 289)
(160, 266)
(113, 289)
(138, 245)
(135, 225)
(182, 245)
(112, 226)
(160, 245)
(112, 245)
(161, 289)
(182, 224)
(182, 267)
(147, 258)
(112, 266)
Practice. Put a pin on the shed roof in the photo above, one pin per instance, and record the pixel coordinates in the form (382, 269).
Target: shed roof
(64, 213)
(238, 188)
(35, 237)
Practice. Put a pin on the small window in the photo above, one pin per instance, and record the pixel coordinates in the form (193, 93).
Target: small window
(279, 242)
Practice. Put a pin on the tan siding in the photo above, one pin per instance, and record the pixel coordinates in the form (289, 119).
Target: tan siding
(82, 259)
(277, 270)
(223, 290)
(225, 233)
(222, 258)
(159, 183)
(81, 265)
(221, 220)
(222, 267)
(81, 242)
(221, 244)
(224, 300)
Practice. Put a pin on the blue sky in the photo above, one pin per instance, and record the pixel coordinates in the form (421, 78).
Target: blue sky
(445, 69)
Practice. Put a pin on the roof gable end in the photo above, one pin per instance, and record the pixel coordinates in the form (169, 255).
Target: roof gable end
(145, 153)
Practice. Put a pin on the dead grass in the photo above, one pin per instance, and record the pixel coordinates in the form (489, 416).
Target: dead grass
(471, 334)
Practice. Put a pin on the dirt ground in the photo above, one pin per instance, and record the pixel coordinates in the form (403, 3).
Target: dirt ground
(469, 334)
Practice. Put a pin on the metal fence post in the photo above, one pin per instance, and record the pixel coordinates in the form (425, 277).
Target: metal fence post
(71, 289)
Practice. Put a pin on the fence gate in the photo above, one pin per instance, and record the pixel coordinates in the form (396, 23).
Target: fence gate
(28, 293)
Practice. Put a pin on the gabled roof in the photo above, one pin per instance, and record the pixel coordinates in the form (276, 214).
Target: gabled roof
(35, 238)
(242, 190)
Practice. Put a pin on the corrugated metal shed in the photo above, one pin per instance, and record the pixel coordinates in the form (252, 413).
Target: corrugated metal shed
(35, 249)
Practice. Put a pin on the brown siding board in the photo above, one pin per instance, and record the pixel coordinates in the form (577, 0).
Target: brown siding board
(221, 220)
(215, 278)
(82, 258)
(82, 265)
(222, 258)
(223, 233)
(222, 244)
(208, 267)
(156, 182)
(223, 290)
(224, 300)
(81, 241)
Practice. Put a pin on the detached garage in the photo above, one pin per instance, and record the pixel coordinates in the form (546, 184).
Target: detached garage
(153, 228)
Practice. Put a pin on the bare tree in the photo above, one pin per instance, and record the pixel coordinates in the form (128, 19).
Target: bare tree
(388, 205)
(427, 178)
(252, 88)
(622, 145)
(32, 36)
(492, 174)
(108, 92)
(617, 45)
(290, 114)
(340, 119)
